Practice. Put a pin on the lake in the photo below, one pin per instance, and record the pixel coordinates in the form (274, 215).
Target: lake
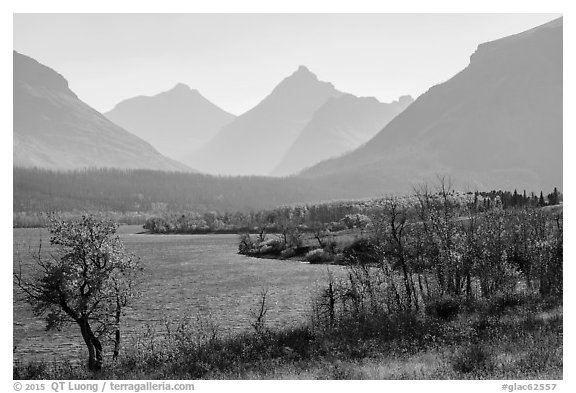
(185, 275)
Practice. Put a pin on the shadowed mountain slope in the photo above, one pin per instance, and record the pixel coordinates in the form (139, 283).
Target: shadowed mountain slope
(496, 124)
(54, 129)
(340, 125)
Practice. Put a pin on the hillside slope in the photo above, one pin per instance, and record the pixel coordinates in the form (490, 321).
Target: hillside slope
(175, 122)
(255, 142)
(496, 124)
(342, 124)
(54, 129)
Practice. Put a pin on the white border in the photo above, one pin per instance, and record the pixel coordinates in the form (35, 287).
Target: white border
(305, 6)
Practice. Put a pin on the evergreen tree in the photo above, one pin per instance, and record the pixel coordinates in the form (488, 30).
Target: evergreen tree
(524, 199)
(554, 197)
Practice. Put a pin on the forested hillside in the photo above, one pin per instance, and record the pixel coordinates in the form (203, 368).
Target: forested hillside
(37, 190)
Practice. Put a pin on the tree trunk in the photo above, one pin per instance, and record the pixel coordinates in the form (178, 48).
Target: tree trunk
(468, 286)
(414, 292)
(441, 276)
(406, 281)
(93, 345)
(422, 294)
(397, 295)
(116, 344)
(457, 281)
(117, 316)
(331, 303)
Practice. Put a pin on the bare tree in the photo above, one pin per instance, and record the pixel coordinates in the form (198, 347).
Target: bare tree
(319, 233)
(262, 232)
(259, 313)
(438, 213)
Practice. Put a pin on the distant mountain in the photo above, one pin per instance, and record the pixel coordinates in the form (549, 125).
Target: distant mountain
(255, 142)
(175, 122)
(340, 125)
(496, 124)
(54, 129)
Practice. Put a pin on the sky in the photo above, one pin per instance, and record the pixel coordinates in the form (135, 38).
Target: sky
(235, 60)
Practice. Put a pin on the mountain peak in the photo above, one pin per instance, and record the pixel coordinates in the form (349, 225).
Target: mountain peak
(303, 68)
(405, 99)
(181, 87)
(182, 90)
(276, 122)
(176, 121)
(304, 73)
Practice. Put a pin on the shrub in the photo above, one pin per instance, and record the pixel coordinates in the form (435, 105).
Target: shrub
(295, 239)
(270, 246)
(318, 256)
(300, 251)
(288, 253)
(33, 370)
(245, 245)
(336, 226)
(330, 246)
(499, 303)
(445, 307)
(339, 259)
(362, 251)
(356, 221)
(471, 358)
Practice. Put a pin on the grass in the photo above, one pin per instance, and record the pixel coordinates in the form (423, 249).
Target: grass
(522, 341)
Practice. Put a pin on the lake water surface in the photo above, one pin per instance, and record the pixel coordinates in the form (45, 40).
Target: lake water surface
(185, 275)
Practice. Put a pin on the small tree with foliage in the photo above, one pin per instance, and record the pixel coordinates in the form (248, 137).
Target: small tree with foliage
(88, 280)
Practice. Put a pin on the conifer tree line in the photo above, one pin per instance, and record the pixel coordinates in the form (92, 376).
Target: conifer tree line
(132, 196)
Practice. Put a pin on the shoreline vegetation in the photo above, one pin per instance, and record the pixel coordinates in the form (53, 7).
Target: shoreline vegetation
(507, 337)
(164, 217)
(437, 285)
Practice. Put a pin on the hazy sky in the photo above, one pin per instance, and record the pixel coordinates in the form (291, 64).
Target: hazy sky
(235, 60)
